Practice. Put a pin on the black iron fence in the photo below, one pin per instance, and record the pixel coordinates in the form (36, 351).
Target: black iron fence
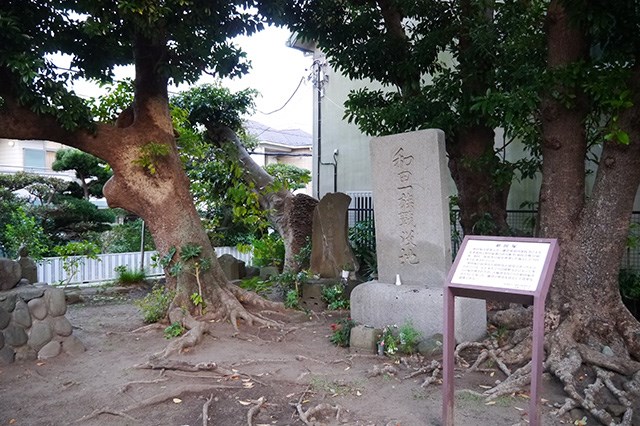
(522, 223)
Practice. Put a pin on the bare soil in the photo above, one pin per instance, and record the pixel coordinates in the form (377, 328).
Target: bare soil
(293, 365)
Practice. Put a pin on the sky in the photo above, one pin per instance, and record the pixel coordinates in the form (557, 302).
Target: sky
(276, 72)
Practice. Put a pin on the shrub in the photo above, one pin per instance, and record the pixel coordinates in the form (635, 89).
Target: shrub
(403, 340)
(268, 251)
(341, 335)
(126, 276)
(155, 304)
(261, 287)
(292, 299)
(335, 298)
(174, 330)
(363, 241)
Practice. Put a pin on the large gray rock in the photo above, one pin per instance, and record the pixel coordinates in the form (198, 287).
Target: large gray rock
(14, 335)
(40, 334)
(56, 303)
(8, 300)
(233, 268)
(10, 274)
(330, 249)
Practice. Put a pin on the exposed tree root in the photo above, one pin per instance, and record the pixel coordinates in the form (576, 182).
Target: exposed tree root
(128, 386)
(205, 411)
(307, 416)
(386, 369)
(255, 409)
(157, 399)
(589, 373)
(172, 364)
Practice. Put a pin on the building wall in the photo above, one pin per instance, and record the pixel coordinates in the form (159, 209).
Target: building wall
(15, 155)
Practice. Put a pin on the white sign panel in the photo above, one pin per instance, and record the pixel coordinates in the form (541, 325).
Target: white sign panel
(502, 264)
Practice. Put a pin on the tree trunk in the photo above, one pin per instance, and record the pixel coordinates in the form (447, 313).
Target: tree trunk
(482, 200)
(290, 215)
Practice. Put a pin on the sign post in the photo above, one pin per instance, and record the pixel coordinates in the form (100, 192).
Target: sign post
(517, 270)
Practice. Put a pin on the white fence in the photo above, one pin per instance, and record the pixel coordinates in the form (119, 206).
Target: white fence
(51, 269)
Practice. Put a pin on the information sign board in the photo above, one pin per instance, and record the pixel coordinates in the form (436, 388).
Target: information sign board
(502, 268)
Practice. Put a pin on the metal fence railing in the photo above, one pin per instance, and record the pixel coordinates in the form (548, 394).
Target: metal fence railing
(522, 223)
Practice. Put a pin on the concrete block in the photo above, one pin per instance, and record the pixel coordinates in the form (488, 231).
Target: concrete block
(364, 339)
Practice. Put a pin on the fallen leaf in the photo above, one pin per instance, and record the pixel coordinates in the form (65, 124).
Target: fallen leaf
(248, 385)
(39, 364)
(12, 421)
(347, 368)
(358, 393)
(290, 395)
(177, 400)
(246, 380)
(244, 402)
(485, 386)
(490, 403)
(519, 409)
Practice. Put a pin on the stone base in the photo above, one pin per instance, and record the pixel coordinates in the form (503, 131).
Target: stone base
(378, 304)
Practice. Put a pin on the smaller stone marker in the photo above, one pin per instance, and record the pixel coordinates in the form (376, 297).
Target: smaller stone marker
(330, 249)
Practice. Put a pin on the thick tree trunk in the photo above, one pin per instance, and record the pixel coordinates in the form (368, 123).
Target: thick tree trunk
(291, 215)
(482, 200)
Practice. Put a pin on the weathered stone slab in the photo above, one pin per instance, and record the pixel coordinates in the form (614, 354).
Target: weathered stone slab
(233, 268)
(10, 274)
(380, 304)
(410, 190)
(411, 201)
(364, 339)
(330, 249)
(28, 266)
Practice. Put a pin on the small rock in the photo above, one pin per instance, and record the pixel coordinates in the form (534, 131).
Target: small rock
(7, 355)
(56, 303)
(21, 314)
(616, 410)
(40, 334)
(10, 273)
(73, 346)
(38, 308)
(25, 353)
(606, 350)
(23, 282)
(364, 339)
(50, 350)
(62, 326)
(8, 301)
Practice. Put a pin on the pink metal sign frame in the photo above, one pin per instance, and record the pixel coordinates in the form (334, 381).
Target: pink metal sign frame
(531, 295)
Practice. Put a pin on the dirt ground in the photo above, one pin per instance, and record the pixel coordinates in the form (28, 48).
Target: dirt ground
(284, 367)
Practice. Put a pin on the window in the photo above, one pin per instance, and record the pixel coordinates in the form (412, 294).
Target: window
(51, 157)
(34, 159)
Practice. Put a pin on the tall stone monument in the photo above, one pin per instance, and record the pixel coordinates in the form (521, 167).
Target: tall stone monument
(413, 238)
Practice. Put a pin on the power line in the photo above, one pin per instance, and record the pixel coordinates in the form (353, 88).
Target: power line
(288, 100)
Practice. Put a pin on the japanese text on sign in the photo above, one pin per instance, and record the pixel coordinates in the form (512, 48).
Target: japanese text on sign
(502, 264)
(403, 164)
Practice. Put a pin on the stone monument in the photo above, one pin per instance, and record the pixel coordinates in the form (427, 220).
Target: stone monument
(330, 249)
(413, 239)
(29, 267)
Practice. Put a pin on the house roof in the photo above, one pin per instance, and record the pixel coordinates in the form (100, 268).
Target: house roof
(290, 138)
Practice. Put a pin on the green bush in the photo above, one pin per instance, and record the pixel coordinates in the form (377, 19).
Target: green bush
(255, 284)
(126, 276)
(629, 282)
(268, 251)
(335, 297)
(292, 299)
(399, 340)
(341, 335)
(174, 330)
(155, 304)
(362, 237)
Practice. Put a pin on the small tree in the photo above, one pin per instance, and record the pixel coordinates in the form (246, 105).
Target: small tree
(89, 170)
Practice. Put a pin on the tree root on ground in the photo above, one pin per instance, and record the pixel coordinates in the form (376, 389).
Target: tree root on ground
(205, 411)
(586, 373)
(157, 399)
(172, 364)
(307, 416)
(255, 409)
